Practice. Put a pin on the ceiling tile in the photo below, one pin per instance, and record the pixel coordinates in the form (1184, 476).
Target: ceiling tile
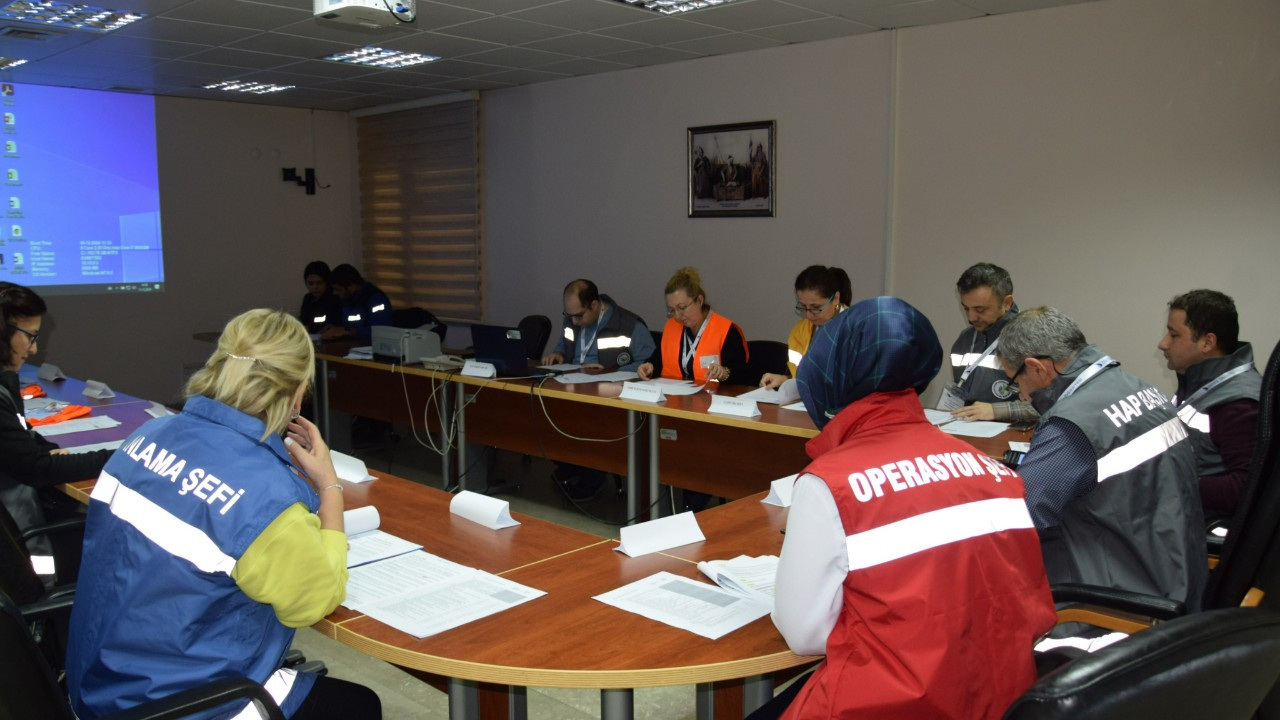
(910, 14)
(662, 31)
(433, 16)
(517, 57)
(498, 7)
(650, 56)
(506, 30)
(149, 47)
(461, 68)
(440, 45)
(523, 77)
(238, 13)
(240, 58)
(584, 45)
(293, 45)
(472, 84)
(725, 44)
(584, 14)
(584, 66)
(813, 30)
(163, 28)
(751, 15)
(327, 69)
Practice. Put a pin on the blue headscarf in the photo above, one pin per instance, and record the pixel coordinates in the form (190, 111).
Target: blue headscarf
(879, 345)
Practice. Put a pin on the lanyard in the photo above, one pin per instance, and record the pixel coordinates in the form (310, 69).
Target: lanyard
(686, 356)
(974, 366)
(1216, 382)
(1085, 376)
(586, 344)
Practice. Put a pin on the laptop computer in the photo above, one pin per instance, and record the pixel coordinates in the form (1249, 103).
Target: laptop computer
(503, 347)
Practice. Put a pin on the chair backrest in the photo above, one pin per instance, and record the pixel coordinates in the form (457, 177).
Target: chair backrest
(28, 688)
(416, 317)
(1249, 554)
(535, 330)
(1218, 664)
(767, 356)
(18, 579)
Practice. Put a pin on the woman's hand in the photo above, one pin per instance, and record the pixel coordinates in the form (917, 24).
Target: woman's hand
(772, 380)
(309, 450)
(717, 372)
(645, 370)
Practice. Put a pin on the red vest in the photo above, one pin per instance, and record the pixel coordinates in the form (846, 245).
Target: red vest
(710, 344)
(946, 591)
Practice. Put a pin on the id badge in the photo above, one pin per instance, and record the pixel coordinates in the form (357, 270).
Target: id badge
(707, 361)
(951, 398)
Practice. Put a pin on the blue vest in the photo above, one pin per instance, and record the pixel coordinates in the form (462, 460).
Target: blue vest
(156, 608)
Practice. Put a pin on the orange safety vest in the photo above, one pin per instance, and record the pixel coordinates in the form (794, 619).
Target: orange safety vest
(711, 343)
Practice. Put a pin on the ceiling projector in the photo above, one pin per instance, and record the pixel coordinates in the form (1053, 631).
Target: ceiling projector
(367, 14)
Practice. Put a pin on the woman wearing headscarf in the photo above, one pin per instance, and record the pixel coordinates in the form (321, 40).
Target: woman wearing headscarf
(910, 559)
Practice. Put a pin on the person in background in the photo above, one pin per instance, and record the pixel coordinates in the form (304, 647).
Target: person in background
(821, 293)
(599, 334)
(320, 307)
(1110, 474)
(209, 539)
(910, 559)
(698, 344)
(363, 305)
(1218, 391)
(30, 465)
(979, 390)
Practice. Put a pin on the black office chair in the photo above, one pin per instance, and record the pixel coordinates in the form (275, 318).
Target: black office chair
(1218, 664)
(29, 688)
(416, 317)
(535, 330)
(766, 356)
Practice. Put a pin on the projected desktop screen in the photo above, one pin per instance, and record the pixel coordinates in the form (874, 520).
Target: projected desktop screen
(81, 193)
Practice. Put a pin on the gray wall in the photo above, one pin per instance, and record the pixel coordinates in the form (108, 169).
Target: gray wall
(1110, 154)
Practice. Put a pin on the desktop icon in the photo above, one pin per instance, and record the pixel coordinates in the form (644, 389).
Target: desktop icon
(10, 147)
(16, 231)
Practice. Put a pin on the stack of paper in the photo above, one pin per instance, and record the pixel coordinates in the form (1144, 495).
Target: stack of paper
(687, 604)
(751, 577)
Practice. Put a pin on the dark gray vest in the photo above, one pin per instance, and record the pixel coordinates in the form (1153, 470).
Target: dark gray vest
(984, 384)
(1141, 527)
(1195, 414)
(613, 341)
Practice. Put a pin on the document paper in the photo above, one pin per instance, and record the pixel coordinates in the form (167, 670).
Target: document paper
(366, 543)
(700, 608)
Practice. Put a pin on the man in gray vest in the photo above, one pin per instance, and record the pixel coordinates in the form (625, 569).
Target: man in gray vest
(598, 334)
(1218, 389)
(1110, 475)
(980, 390)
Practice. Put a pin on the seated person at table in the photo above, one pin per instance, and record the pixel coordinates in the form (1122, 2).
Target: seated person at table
(1110, 474)
(697, 343)
(978, 386)
(821, 293)
(209, 540)
(598, 334)
(363, 305)
(910, 559)
(29, 465)
(320, 307)
(1218, 390)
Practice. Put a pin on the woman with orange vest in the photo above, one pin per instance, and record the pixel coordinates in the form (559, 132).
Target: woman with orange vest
(697, 343)
(821, 294)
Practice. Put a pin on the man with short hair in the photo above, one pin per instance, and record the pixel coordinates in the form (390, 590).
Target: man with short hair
(1218, 390)
(598, 334)
(363, 305)
(979, 390)
(1110, 475)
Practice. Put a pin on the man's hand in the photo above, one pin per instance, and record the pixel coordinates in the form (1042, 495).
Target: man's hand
(554, 358)
(976, 411)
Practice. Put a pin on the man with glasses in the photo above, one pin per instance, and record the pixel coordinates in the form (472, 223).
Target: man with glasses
(979, 390)
(598, 334)
(1111, 475)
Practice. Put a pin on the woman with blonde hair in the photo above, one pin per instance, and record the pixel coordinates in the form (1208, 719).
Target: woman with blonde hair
(209, 539)
(697, 343)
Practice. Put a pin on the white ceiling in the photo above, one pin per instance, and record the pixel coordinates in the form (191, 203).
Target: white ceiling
(483, 44)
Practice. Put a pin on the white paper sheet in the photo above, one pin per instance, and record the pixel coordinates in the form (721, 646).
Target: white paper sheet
(366, 543)
(66, 427)
(490, 512)
(575, 378)
(794, 406)
(449, 603)
(661, 534)
(360, 353)
(371, 583)
(752, 577)
(788, 392)
(690, 605)
(673, 387)
(109, 445)
(560, 367)
(1019, 446)
(351, 469)
(975, 428)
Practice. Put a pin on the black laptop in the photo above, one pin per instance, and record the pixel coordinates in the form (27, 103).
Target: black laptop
(504, 348)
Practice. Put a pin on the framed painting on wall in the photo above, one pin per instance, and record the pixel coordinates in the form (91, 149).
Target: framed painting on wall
(731, 170)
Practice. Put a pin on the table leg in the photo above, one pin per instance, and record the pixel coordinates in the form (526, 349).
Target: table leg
(656, 511)
(633, 494)
(617, 704)
(464, 700)
(518, 703)
(446, 418)
(705, 701)
(756, 691)
(322, 400)
(462, 437)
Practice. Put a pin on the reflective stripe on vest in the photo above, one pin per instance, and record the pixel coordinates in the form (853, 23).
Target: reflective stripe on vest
(935, 529)
(1146, 446)
(353, 318)
(610, 343)
(318, 318)
(1194, 419)
(794, 356)
(161, 527)
(967, 359)
(277, 686)
(568, 334)
(377, 308)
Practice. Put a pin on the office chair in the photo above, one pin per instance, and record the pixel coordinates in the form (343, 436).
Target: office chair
(766, 356)
(29, 689)
(536, 330)
(415, 317)
(1219, 664)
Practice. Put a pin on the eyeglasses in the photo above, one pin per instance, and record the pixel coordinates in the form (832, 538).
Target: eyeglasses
(802, 309)
(574, 316)
(680, 308)
(31, 336)
(1013, 379)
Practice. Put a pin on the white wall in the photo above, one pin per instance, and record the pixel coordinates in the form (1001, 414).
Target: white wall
(1109, 154)
(236, 237)
(587, 177)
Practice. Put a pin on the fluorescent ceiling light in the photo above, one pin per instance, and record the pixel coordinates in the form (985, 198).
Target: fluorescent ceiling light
(249, 87)
(671, 7)
(380, 58)
(68, 15)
